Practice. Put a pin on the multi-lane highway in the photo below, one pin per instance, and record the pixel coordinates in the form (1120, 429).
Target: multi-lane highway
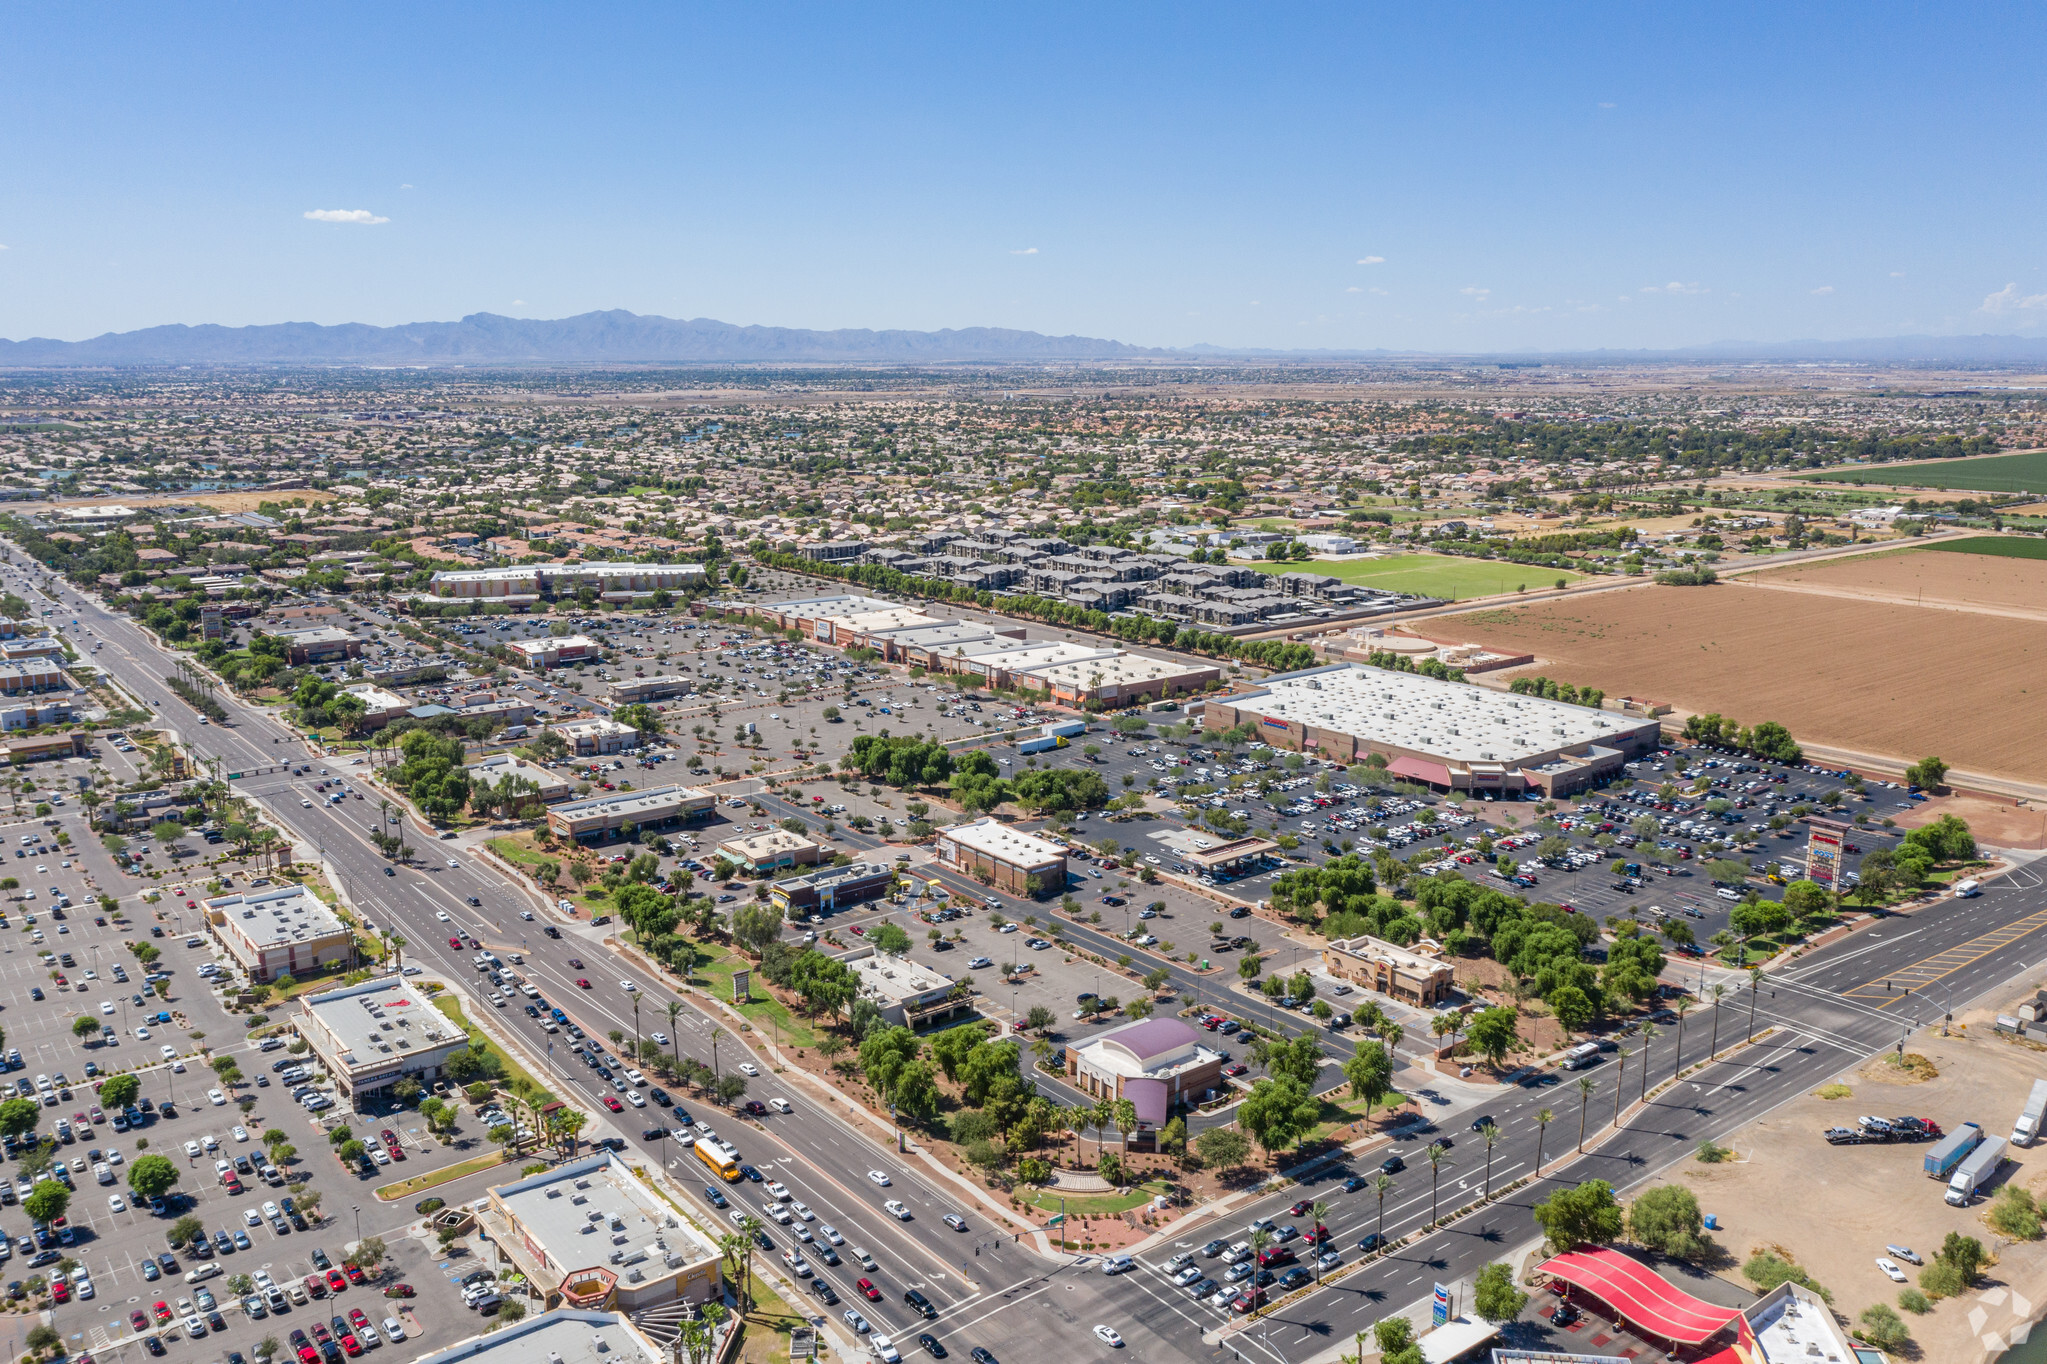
(1830, 1010)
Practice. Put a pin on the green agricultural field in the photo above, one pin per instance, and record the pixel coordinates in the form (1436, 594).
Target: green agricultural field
(2024, 473)
(1434, 575)
(2000, 546)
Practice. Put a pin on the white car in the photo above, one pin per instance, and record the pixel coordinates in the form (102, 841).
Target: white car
(830, 1233)
(192, 1150)
(106, 1006)
(142, 1034)
(632, 1096)
(215, 1097)
(629, 987)
(884, 1350)
(797, 1207)
(779, 1190)
(779, 1105)
(240, 1134)
(270, 1210)
(1890, 1269)
(878, 1177)
(442, 915)
(252, 1217)
(749, 1068)
(393, 1328)
(897, 1210)
(453, 863)
(798, 1266)
(659, 1039)
(169, 1052)
(1107, 1335)
(116, 1203)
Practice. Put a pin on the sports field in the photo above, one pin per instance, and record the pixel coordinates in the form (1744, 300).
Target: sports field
(1433, 575)
(2020, 473)
(1879, 676)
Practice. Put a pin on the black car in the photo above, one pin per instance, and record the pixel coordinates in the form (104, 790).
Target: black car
(1564, 1314)
(921, 1303)
(980, 1355)
(1297, 1277)
(1392, 1165)
(550, 930)
(931, 1345)
(653, 1133)
(1482, 1122)
(1370, 1242)
(824, 1292)
(760, 1238)
(660, 1096)
(1354, 1183)
(154, 1344)
(167, 1262)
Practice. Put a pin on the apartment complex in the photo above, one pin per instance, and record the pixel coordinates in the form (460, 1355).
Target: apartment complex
(530, 583)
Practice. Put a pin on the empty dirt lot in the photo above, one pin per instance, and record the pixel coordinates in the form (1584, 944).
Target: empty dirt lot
(1874, 677)
(1983, 583)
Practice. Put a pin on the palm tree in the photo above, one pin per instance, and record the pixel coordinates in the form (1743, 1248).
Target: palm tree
(1543, 1118)
(737, 1248)
(1718, 991)
(1126, 1122)
(1684, 1006)
(1755, 985)
(675, 1033)
(1586, 1085)
(1619, 1080)
(1102, 1117)
(636, 1025)
(716, 1033)
(1491, 1136)
(1391, 1035)
(1649, 1034)
(1380, 1186)
(1436, 1162)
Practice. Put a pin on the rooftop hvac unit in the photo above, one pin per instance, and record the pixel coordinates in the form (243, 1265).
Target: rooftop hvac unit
(554, 1193)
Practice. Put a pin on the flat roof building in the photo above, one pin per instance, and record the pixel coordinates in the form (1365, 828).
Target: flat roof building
(280, 931)
(830, 888)
(1449, 735)
(29, 675)
(1119, 680)
(595, 738)
(371, 1036)
(380, 707)
(1418, 977)
(529, 583)
(551, 652)
(907, 993)
(628, 690)
(608, 813)
(849, 631)
(803, 613)
(1017, 862)
(592, 1234)
(772, 850)
(37, 747)
(327, 644)
(549, 787)
(1161, 1065)
(566, 1336)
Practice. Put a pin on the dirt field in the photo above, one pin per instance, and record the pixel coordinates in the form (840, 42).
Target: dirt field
(1868, 676)
(224, 502)
(1835, 1208)
(1978, 582)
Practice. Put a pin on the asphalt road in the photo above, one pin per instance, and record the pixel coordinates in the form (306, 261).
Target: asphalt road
(1831, 1011)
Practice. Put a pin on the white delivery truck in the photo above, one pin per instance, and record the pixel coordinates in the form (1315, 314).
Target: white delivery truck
(2027, 1128)
(1970, 1175)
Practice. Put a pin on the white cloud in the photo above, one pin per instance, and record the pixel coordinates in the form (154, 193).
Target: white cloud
(1674, 287)
(518, 303)
(1373, 260)
(1607, 104)
(1474, 291)
(1897, 274)
(1824, 289)
(344, 215)
(1354, 290)
(1026, 251)
(2008, 298)
(405, 187)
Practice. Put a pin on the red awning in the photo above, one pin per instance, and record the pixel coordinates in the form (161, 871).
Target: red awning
(1434, 774)
(1640, 1294)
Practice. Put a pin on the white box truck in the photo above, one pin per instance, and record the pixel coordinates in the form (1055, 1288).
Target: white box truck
(2027, 1128)
(1965, 889)
(1971, 1173)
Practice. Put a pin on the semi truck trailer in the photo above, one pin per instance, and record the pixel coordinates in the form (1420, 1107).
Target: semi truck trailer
(1951, 1150)
(1971, 1173)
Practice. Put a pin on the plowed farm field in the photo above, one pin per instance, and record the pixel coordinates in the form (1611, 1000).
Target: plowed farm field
(1878, 677)
(1967, 581)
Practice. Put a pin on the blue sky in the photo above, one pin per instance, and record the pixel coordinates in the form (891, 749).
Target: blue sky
(1456, 178)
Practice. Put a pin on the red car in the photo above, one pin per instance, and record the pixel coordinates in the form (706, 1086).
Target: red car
(388, 1137)
(356, 1317)
(873, 1293)
(308, 1355)
(319, 1330)
(335, 1280)
(316, 1285)
(1236, 1069)
(351, 1344)
(454, 942)
(399, 1290)
(611, 1102)
(355, 1275)
(139, 1322)
(162, 1310)
(230, 1181)
(98, 1114)
(60, 1291)
(1301, 1207)
(582, 982)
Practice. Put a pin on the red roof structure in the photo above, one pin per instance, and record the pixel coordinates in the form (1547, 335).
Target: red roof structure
(1641, 1295)
(1420, 769)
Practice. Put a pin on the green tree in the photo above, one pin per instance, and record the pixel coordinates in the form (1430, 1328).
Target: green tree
(18, 1117)
(1222, 1148)
(1881, 1326)
(1666, 1219)
(1278, 1112)
(152, 1176)
(1492, 1032)
(891, 939)
(1494, 1295)
(47, 1201)
(1586, 1214)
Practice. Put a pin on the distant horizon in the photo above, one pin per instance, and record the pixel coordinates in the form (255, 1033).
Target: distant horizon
(512, 340)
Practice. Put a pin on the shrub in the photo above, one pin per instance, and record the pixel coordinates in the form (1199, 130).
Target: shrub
(1913, 1301)
(2015, 1214)
(1882, 1328)
(1766, 1269)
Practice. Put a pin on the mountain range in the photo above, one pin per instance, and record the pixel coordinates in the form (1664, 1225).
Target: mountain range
(618, 337)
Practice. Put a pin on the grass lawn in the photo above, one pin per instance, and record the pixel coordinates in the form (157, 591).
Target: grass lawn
(1998, 546)
(712, 971)
(2026, 473)
(1433, 575)
(452, 1007)
(1338, 1114)
(405, 1188)
(1100, 1205)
